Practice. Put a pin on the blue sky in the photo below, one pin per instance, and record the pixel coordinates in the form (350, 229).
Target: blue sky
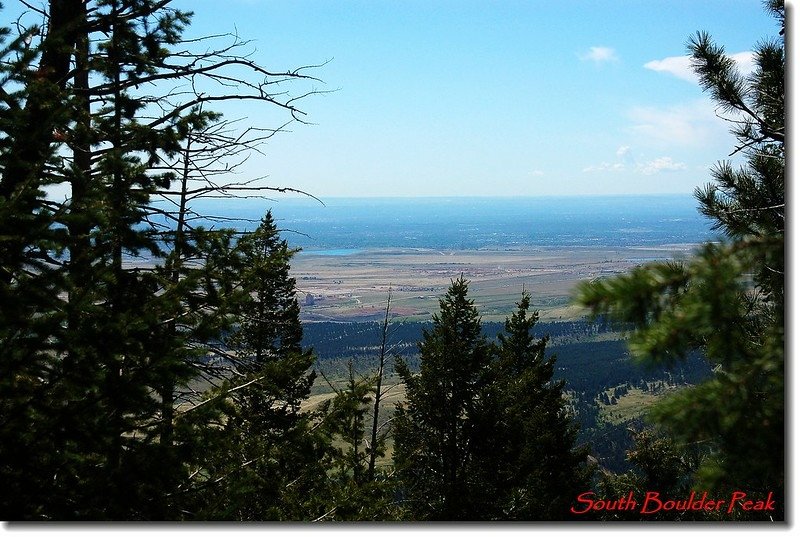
(461, 97)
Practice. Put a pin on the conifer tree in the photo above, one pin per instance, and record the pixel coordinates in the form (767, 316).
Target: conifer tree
(353, 493)
(95, 394)
(436, 431)
(346, 419)
(728, 300)
(531, 469)
(377, 438)
(661, 465)
(199, 279)
(271, 465)
(358, 489)
(268, 314)
(87, 104)
(29, 286)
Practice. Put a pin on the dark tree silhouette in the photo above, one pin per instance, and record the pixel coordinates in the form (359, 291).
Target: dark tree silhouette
(728, 300)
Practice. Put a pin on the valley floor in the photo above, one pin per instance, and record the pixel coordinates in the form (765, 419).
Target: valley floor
(353, 285)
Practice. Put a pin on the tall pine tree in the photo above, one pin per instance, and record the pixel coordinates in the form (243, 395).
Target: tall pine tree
(435, 431)
(270, 465)
(728, 300)
(531, 468)
(87, 106)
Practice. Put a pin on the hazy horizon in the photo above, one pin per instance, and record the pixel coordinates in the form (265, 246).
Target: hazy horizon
(275, 201)
(470, 222)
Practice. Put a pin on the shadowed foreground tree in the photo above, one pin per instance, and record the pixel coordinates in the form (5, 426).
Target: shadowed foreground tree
(354, 493)
(270, 464)
(356, 395)
(660, 465)
(361, 490)
(728, 300)
(531, 469)
(435, 430)
(485, 434)
(93, 102)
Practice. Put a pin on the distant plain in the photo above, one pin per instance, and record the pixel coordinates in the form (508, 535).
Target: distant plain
(354, 286)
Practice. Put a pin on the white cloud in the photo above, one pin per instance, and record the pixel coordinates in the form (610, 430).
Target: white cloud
(660, 164)
(681, 66)
(536, 173)
(600, 55)
(692, 124)
(652, 167)
(745, 61)
(605, 167)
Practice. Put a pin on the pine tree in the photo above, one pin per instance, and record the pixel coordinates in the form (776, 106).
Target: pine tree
(28, 282)
(435, 430)
(660, 465)
(728, 300)
(358, 489)
(531, 469)
(377, 437)
(353, 493)
(94, 394)
(268, 315)
(271, 464)
(346, 420)
(92, 338)
(200, 275)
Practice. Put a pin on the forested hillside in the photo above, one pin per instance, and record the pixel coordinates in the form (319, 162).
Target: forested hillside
(591, 357)
(355, 339)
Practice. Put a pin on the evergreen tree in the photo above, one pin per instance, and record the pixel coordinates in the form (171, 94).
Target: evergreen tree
(199, 277)
(358, 489)
(353, 492)
(268, 314)
(94, 395)
(661, 465)
(346, 420)
(377, 438)
(729, 299)
(436, 431)
(29, 286)
(531, 470)
(271, 464)
(93, 337)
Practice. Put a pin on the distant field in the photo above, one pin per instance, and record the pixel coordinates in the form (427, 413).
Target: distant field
(633, 404)
(354, 286)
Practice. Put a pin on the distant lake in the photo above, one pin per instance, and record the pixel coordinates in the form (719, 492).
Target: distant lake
(346, 225)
